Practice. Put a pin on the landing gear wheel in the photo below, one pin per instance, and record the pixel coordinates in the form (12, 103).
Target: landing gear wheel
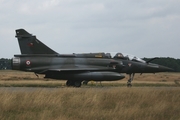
(85, 82)
(77, 84)
(129, 85)
(69, 83)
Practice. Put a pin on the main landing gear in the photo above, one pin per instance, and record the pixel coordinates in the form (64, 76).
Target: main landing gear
(73, 83)
(131, 77)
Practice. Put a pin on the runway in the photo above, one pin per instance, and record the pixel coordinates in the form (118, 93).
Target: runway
(33, 89)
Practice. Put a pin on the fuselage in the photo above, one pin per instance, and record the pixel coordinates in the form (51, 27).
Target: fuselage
(82, 68)
(39, 63)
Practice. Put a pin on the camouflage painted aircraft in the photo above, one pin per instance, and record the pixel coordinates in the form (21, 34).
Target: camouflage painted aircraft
(38, 58)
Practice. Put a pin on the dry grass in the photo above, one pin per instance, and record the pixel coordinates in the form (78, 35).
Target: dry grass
(26, 79)
(90, 104)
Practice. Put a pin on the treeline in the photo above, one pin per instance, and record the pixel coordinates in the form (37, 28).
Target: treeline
(5, 64)
(168, 62)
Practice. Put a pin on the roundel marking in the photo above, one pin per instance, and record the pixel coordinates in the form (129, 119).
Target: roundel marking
(129, 64)
(28, 62)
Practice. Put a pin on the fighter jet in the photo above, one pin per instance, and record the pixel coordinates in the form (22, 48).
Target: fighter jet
(38, 58)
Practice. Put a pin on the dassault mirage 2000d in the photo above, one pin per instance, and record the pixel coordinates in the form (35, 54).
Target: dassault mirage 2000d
(38, 58)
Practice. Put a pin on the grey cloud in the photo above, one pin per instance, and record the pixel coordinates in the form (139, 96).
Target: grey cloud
(140, 27)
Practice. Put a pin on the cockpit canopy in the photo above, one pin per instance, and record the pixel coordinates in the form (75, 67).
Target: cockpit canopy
(115, 55)
(125, 57)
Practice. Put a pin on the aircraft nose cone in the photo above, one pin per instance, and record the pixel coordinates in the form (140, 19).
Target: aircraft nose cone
(165, 69)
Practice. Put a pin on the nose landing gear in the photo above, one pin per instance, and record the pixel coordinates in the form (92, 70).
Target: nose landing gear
(131, 77)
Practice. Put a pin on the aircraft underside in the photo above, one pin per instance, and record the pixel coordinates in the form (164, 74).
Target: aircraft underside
(75, 78)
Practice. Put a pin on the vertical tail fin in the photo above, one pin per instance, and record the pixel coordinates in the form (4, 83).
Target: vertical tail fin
(29, 44)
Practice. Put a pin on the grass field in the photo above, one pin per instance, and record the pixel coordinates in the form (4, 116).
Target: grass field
(114, 101)
(90, 104)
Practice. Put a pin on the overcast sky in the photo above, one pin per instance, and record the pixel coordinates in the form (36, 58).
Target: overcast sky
(145, 28)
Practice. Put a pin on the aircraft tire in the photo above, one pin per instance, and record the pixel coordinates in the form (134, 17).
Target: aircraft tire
(129, 85)
(85, 82)
(69, 83)
(77, 84)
